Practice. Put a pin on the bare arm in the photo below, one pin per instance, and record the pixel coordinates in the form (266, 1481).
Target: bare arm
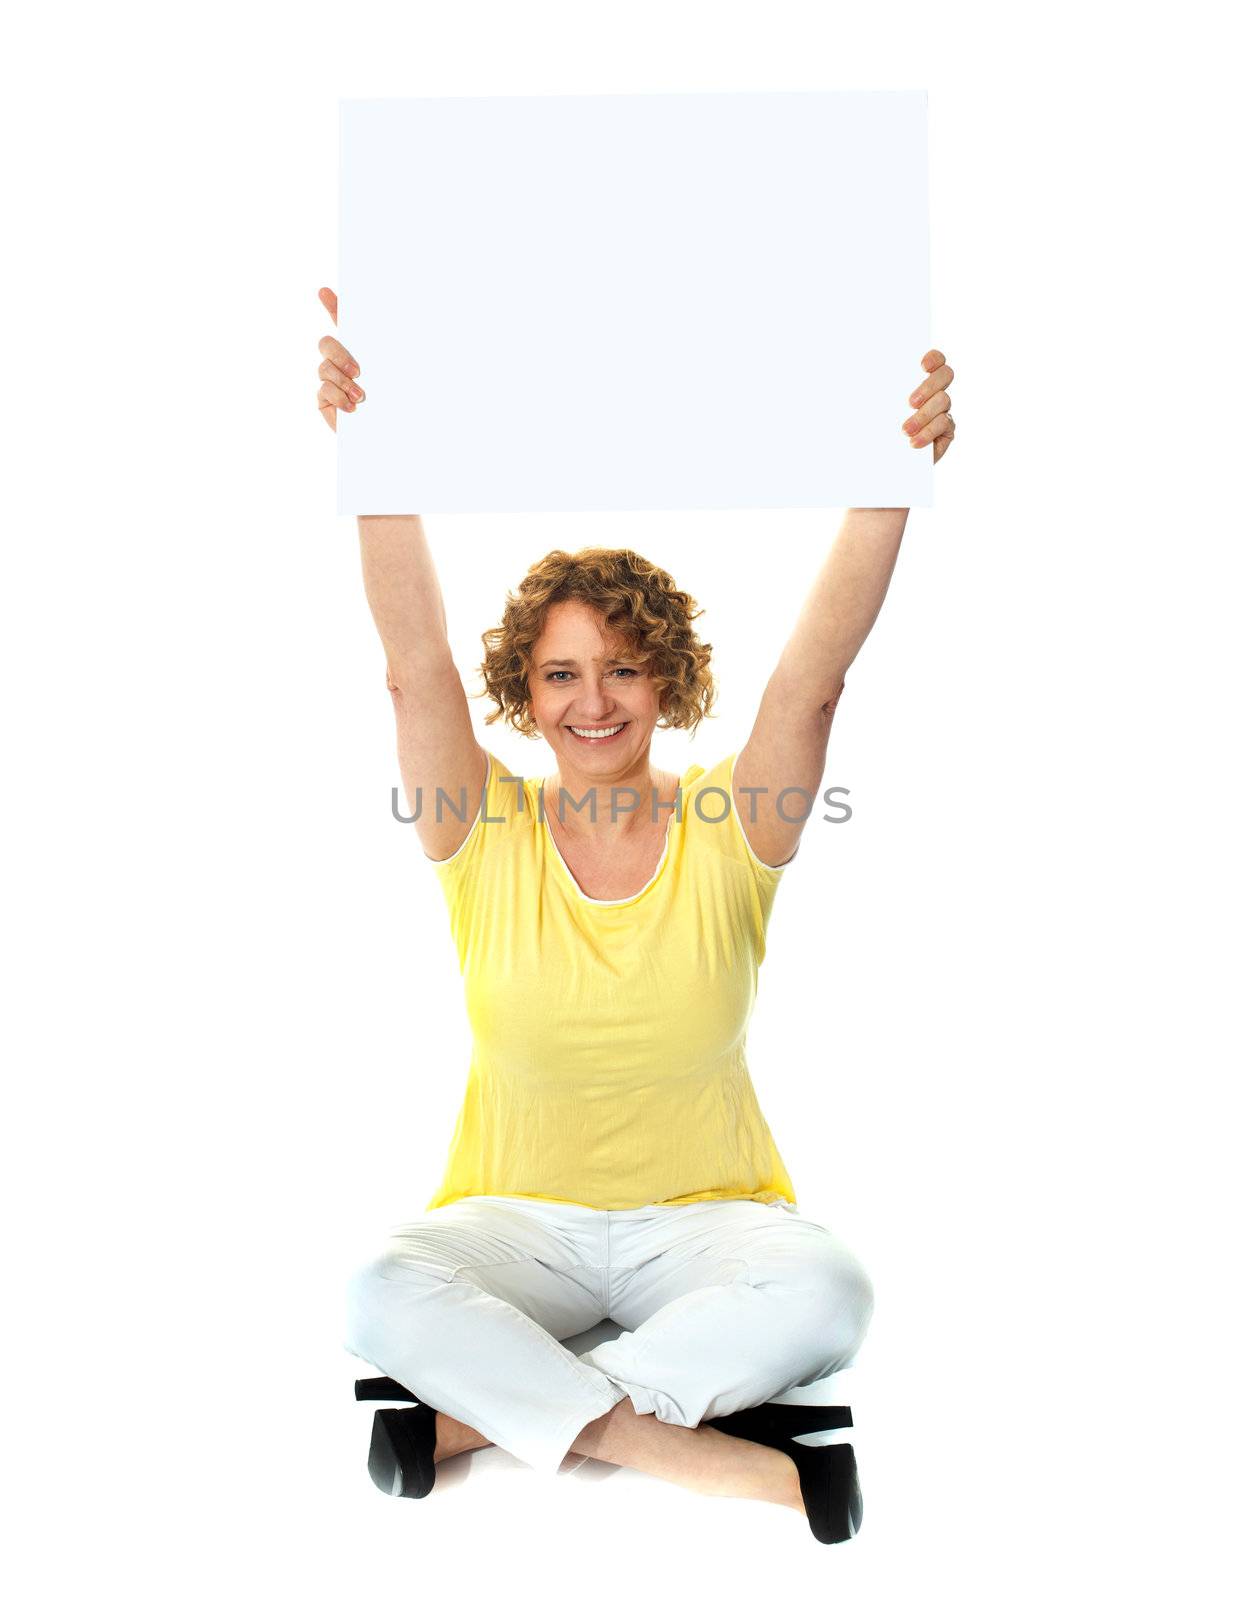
(436, 745)
(789, 741)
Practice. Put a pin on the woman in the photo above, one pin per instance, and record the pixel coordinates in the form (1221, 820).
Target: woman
(610, 1158)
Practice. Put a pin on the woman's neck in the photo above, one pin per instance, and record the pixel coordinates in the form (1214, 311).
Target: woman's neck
(615, 806)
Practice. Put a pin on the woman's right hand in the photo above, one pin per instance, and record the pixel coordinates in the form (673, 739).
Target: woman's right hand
(338, 370)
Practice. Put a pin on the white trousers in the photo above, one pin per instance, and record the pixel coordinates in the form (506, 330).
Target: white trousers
(725, 1304)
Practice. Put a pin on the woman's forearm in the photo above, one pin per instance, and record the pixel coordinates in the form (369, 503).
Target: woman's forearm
(401, 585)
(841, 606)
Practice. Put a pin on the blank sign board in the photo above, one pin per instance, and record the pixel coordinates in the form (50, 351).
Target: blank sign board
(634, 302)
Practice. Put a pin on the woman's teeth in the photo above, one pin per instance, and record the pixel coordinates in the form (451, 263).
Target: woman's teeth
(597, 733)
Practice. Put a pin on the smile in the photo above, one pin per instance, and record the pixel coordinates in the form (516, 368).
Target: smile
(598, 733)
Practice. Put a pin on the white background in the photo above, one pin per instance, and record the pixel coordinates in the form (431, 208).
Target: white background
(988, 1037)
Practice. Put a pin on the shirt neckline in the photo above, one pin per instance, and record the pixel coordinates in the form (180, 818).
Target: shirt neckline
(542, 821)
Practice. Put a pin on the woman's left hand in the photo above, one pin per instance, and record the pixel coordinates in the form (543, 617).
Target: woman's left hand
(934, 418)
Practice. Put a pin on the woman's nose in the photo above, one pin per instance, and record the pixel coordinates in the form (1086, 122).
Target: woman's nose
(594, 698)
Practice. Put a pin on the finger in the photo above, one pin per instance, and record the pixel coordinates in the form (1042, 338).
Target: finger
(937, 428)
(343, 359)
(940, 445)
(939, 379)
(928, 413)
(329, 413)
(932, 360)
(330, 300)
(330, 373)
(332, 395)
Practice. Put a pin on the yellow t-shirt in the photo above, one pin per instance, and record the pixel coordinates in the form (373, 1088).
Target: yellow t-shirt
(608, 1065)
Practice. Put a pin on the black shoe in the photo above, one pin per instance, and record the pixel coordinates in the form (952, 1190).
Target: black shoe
(769, 1424)
(401, 1451)
(828, 1479)
(827, 1473)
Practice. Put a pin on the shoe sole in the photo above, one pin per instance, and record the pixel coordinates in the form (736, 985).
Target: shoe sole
(845, 1498)
(394, 1465)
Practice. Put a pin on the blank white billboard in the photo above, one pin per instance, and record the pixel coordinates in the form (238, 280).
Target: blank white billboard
(634, 302)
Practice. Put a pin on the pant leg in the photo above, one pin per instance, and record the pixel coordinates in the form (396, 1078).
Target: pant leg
(727, 1303)
(466, 1308)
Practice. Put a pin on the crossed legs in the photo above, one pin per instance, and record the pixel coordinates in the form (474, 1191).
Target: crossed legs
(696, 1458)
(725, 1306)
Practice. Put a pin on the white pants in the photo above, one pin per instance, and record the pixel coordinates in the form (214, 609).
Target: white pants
(726, 1303)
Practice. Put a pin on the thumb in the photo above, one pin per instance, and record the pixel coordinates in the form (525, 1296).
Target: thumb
(330, 300)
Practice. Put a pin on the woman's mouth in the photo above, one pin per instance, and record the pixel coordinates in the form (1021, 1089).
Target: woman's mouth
(597, 735)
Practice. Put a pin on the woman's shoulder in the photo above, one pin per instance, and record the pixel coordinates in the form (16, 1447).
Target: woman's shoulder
(507, 787)
(707, 793)
(714, 774)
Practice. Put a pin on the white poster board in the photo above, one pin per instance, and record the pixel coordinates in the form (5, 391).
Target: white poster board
(634, 302)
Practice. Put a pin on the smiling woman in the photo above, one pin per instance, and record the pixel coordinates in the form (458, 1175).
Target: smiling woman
(610, 1158)
(646, 617)
(594, 652)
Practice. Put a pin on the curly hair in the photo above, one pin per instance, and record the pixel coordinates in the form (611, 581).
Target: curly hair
(638, 601)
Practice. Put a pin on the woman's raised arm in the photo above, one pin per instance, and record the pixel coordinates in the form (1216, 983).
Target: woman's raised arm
(438, 750)
(781, 765)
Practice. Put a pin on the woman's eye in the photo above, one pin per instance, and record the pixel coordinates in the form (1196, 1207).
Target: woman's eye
(561, 672)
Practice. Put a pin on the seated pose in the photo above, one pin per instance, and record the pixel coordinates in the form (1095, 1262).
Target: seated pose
(610, 1158)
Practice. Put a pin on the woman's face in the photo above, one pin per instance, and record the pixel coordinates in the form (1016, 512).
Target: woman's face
(583, 678)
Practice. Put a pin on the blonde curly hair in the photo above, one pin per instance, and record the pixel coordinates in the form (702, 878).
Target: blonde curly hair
(638, 601)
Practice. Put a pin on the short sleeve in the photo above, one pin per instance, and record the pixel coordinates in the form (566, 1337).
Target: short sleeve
(712, 801)
(502, 802)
